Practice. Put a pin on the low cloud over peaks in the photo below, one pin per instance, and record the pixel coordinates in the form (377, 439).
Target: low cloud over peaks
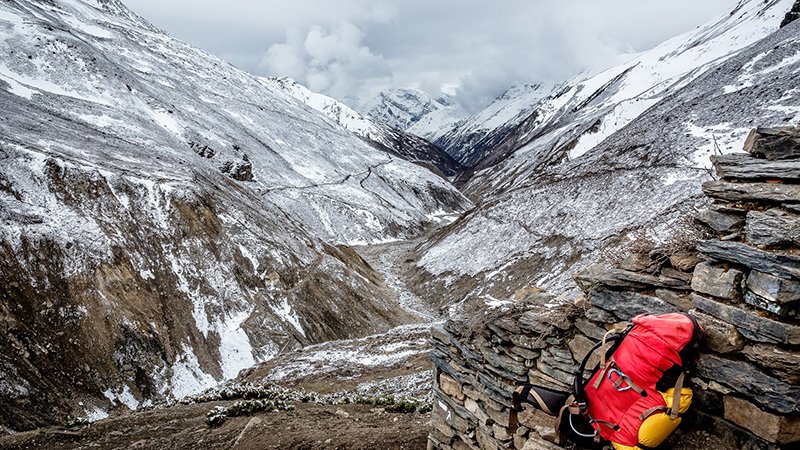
(332, 60)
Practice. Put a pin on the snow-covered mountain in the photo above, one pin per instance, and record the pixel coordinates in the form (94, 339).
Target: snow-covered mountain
(167, 219)
(392, 140)
(470, 139)
(618, 157)
(415, 111)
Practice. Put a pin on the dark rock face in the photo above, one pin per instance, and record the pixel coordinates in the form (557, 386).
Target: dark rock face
(779, 264)
(792, 15)
(773, 227)
(774, 143)
(717, 281)
(769, 392)
(753, 192)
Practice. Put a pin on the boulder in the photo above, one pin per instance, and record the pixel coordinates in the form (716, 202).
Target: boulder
(752, 326)
(774, 143)
(773, 227)
(778, 290)
(774, 263)
(580, 345)
(777, 429)
(721, 222)
(783, 363)
(717, 281)
(590, 329)
(747, 380)
(741, 166)
(475, 409)
(680, 300)
(484, 437)
(753, 192)
(721, 337)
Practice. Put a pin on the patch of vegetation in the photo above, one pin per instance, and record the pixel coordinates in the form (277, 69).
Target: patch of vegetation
(255, 398)
(218, 415)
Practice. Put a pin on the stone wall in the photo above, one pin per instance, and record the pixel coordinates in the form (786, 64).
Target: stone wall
(743, 284)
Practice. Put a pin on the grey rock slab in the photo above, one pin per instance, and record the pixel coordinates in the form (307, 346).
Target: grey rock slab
(625, 279)
(720, 222)
(774, 143)
(776, 289)
(748, 380)
(753, 192)
(777, 264)
(751, 325)
(773, 227)
(626, 305)
(721, 337)
(784, 363)
(767, 305)
(717, 281)
(741, 166)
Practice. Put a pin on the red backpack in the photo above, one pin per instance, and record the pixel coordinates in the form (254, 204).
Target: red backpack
(636, 394)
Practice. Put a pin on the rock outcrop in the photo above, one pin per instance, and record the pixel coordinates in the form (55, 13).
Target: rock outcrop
(742, 284)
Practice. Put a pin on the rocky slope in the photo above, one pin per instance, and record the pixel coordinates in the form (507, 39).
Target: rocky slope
(618, 158)
(391, 140)
(414, 111)
(168, 219)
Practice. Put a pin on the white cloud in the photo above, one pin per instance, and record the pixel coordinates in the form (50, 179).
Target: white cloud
(352, 48)
(334, 61)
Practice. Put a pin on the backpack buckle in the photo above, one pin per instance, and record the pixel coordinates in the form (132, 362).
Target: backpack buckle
(621, 378)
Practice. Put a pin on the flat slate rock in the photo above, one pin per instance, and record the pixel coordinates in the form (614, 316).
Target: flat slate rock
(752, 326)
(773, 227)
(717, 281)
(774, 143)
(747, 379)
(721, 222)
(753, 192)
(780, 265)
(624, 279)
(626, 305)
(784, 363)
(776, 289)
(741, 166)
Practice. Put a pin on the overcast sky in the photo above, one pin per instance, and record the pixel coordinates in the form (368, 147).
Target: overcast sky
(352, 49)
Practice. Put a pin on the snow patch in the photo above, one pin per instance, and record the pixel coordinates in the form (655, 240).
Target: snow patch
(622, 114)
(235, 350)
(123, 396)
(187, 376)
(96, 413)
(286, 313)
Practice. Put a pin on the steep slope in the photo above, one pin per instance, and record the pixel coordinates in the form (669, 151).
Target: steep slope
(544, 210)
(414, 111)
(587, 110)
(394, 141)
(168, 219)
(472, 138)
